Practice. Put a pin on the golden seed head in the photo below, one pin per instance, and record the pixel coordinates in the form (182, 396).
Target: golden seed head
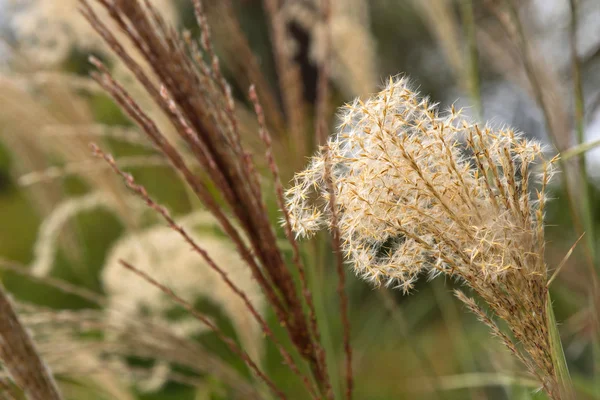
(422, 191)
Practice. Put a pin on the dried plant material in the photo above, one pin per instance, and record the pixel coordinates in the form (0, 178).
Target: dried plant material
(46, 244)
(563, 262)
(238, 56)
(422, 193)
(141, 192)
(47, 30)
(198, 102)
(35, 100)
(512, 53)
(36, 128)
(19, 117)
(353, 49)
(93, 348)
(31, 104)
(20, 357)
(213, 327)
(288, 75)
(339, 258)
(440, 19)
(549, 90)
(161, 252)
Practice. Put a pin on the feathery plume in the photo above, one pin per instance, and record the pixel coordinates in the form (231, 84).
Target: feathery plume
(94, 346)
(46, 245)
(419, 192)
(161, 252)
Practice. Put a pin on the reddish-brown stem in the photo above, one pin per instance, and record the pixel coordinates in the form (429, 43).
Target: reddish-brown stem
(143, 194)
(20, 357)
(266, 138)
(341, 289)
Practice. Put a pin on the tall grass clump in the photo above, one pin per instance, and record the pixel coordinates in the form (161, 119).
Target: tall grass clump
(186, 82)
(422, 192)
(404, 189)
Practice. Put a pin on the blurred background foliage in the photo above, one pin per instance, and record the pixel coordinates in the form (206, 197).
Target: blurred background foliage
(462, 52)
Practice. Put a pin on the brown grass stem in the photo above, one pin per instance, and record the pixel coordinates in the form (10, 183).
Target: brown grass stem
(339, 262)
(198, 104)
(554, 134)
(472, 72)
(322, 101)
(162, 211)
(289, 77)
(20, 357)
(279, 192)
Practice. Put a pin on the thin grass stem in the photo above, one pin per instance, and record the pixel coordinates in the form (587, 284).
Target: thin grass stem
(586, 209)
(472, 73)
(563, 376)
(579, 149)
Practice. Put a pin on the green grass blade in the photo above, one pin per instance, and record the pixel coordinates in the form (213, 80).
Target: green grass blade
(558, 356)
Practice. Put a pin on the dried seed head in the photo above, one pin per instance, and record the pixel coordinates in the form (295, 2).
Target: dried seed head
(422, 192)
(418, 191)
(161, 252)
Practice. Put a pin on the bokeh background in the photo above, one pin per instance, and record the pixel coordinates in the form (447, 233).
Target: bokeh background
(64, 215)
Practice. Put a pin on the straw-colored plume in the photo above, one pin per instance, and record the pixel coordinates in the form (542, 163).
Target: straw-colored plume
(160, 252)
(32, 108)
(46, 245)
(92, 351)
(418, 192)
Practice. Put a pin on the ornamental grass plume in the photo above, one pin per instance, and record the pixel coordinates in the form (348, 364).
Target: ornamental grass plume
(185, 81)
(422, 192)
(160, 252)
(94, 348)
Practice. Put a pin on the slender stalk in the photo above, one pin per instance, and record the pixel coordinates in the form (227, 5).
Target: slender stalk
(538, 91)
(20, 357)
(341, 289)
(297, 259)
(587, 213)
(140, 191)
(318, 280)
(472, 74)
(579, 149)
(561, 369)
(586, 209)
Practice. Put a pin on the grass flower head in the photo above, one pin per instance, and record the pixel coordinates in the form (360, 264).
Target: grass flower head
(419, 191)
